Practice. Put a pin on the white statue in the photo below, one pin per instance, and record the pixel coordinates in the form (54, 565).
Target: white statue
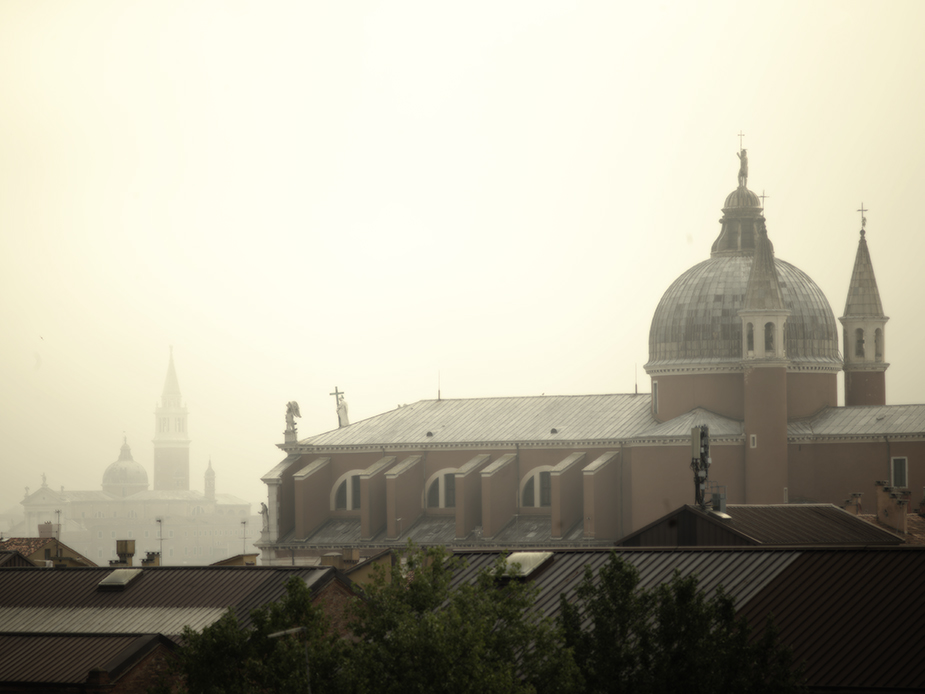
(292, 411)
(342, 419)
(265, 513)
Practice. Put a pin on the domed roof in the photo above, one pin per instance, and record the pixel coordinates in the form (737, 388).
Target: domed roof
(741, 197)
(697, 321)
(125, 472)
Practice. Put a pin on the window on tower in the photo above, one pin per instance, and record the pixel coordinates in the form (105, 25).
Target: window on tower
(750, 338)
(878, 344)
(859, 342)
(898, 473)
(769, 338)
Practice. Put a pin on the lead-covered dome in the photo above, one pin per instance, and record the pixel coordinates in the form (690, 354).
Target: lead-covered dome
(125, 476)
(697, 321)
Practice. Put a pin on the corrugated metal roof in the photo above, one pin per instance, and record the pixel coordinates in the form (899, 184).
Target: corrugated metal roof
(854, 616)
(871, 421)
(161, 600)
(798, 524)
(75, 656)
(431, 530)
(514, 419)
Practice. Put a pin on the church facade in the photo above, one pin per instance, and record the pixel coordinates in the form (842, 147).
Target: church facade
(187, 527)
(743, 342)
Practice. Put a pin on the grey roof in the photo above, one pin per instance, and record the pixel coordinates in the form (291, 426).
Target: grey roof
(863, 421)
(698, 319)
(681, 425)
(160, 600)
(534, 530)
(863, 294)
(431, 530)
(763, 289)
(805, 524)
(501, 420)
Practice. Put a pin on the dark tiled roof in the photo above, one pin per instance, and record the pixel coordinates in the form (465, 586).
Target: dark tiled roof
(805, 524)
(10, 557)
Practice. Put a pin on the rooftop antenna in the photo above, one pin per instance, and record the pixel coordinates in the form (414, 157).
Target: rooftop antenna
(243, 537)
(700, 462)
(160, 535)
(636, 377)
(438, 385)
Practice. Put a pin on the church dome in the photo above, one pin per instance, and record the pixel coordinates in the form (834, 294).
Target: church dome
(697, 321)
(741, 197)
(125, 476)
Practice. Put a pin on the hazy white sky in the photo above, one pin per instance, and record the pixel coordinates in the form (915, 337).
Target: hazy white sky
(304, 195)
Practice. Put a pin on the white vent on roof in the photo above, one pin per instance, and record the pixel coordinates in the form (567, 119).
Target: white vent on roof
(528, 562)
(118, 579)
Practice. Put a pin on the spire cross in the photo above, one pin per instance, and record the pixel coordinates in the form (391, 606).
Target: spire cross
(863, 218)
(763, 196)
(741, 135)
(336, 392)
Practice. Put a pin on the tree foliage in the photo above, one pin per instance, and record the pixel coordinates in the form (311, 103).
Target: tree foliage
(671, 638)
(414, 631)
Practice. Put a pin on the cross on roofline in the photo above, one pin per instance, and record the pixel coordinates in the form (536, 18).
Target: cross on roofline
(763, 196)
(863, 218)
(741, 135)
(336, 392)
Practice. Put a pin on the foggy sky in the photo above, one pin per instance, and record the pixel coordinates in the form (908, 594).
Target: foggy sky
(304, 195)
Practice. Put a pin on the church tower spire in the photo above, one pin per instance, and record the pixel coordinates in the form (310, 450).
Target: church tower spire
(764, 362)
(863, 326)
(171, 438)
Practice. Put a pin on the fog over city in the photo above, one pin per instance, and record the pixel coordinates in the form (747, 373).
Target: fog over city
(390, 198)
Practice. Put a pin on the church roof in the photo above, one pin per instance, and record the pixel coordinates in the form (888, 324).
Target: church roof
(697, 320)
(863, 294)
(545, 418)
(857, 421)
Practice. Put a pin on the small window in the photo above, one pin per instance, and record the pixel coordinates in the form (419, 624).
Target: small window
(433, 494)
(753, 440)
(48, 552)
(750, 338)
(528, 493)
(769, 338)
(340, 499)
(899, 472)
(99, 534)
(655, 397)
(449, 490)
(878, 344)
(355, 492)
(859, 342)
(545, 489)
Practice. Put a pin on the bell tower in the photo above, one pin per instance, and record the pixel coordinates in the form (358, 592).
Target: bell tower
(764, 363)
(171, 437)
(864, 328)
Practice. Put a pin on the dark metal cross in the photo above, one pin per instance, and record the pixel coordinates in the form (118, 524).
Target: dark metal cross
(336, 392)
(741, 135)
(763, 196)
(863, 218)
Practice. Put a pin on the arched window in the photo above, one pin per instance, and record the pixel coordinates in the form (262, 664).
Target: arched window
(346, 492)
(536, 488)
(769, 338)
(441, 489)
(750, 337)
(859, 342)
(878, 344)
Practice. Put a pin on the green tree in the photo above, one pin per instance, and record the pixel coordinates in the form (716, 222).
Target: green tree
(225, 658)
(671, 638)
(419, 633)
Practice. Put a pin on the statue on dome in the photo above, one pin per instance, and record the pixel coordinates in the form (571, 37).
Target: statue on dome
(292, 411)
(743, 167)
(265, 514)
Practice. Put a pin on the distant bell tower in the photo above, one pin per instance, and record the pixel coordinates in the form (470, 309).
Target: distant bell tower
(171, 437)
(864, 328)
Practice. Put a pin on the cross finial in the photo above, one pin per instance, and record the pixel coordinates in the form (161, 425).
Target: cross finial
(741, 135)
(863, 218)
(763, 196)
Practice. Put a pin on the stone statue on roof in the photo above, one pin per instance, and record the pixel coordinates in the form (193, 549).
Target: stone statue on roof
(743, 167)
(342, 419)
(292, 411)
(265, 514)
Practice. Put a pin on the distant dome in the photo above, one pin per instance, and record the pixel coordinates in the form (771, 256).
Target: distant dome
(125, 476)
(697, 320)
(741, 197)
